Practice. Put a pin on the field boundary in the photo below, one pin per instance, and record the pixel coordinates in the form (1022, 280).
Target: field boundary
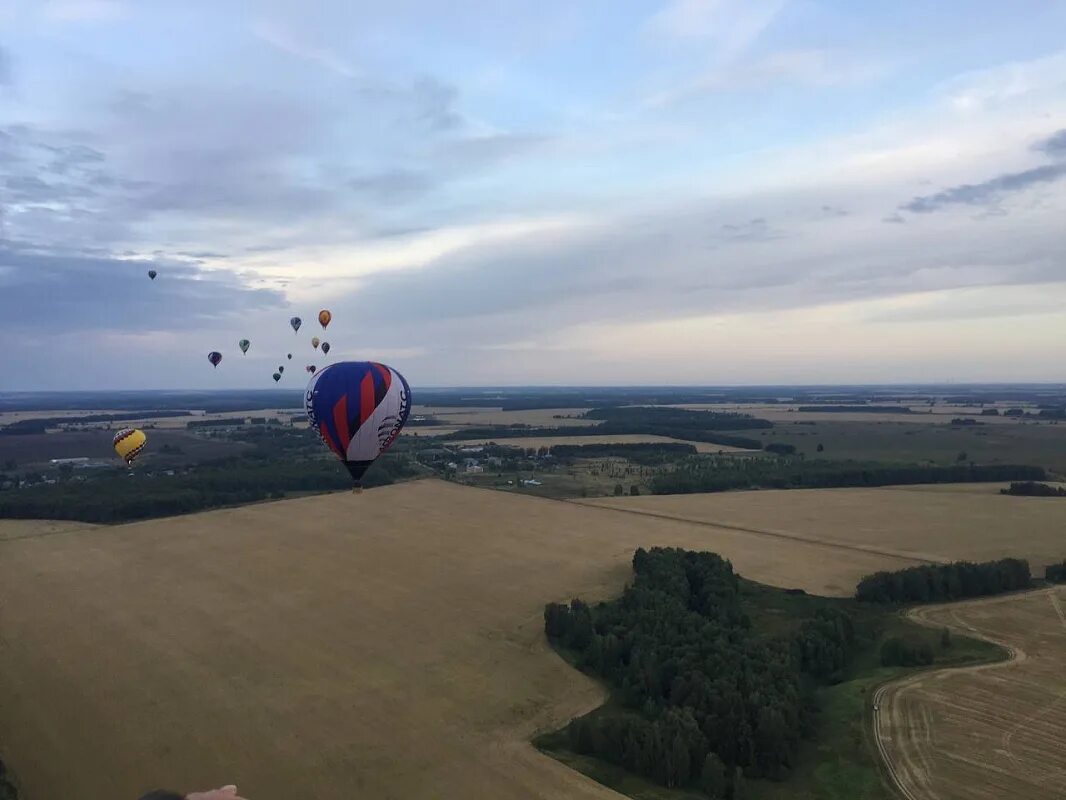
(854, 548)
(892, 688)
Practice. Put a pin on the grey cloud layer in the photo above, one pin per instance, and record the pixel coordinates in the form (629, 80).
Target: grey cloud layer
(63, 291)
(996, 188)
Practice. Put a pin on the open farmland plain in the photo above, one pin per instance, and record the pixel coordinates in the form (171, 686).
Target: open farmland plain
(537, 442)
(382, 645)
(534, 417)
(952, 522)
(987, 732)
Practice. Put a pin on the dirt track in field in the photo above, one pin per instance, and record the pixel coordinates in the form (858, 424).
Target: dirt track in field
(942, 523)
(987, 732)
(382, 645)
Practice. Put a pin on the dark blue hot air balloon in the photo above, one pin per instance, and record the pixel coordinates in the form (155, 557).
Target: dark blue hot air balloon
(358, 409)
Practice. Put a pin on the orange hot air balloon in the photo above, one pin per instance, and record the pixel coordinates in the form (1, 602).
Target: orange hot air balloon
(324, 317)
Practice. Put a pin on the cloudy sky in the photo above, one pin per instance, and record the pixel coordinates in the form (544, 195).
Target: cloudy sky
(549, 192)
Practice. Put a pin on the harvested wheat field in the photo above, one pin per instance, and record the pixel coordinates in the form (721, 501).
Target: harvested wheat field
(536, 417)
(24, 528)
(989, 732)
(950, 523)
(382, 645)
(619, 438)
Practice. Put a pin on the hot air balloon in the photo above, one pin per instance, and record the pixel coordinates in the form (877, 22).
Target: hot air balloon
(311, 368)
(358, 409)
(244, 344)
(314, 342)
(296, 322)
(129, 442)
(214, 357)
(289, 356)
(325, 347)
(324, 317)
(277, 377)
(152, 273)
(281, 369)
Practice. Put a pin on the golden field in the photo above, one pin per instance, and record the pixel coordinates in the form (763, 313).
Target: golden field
(537, 442)
(986, 732)
(933, 523)
(381, 645)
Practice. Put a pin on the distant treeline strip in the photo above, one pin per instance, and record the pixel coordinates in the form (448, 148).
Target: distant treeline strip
(945, 582)
(858, 408)
(1033, 489)
(40, 425)
(674, 423)
(621, 449)
(711, 475)
(1056, 573)
(7, 788)
(124, 497)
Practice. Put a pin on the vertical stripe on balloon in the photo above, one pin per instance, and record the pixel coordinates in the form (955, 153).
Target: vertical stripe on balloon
(340, 420)
(324, 431)
(367, 402)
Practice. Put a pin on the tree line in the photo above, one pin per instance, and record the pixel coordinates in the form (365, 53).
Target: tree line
(1033, 489)
(713, 475)
(123, 496)
(945, 581)
(702, 699)
(637, 452)
(1056, 573)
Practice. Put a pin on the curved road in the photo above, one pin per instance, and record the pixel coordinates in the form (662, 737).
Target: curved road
(910, 778)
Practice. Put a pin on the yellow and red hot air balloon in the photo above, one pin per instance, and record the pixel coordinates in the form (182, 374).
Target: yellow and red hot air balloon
(129, 442)
(324, 317)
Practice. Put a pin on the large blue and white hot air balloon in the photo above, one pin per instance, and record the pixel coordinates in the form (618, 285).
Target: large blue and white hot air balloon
(358, 409)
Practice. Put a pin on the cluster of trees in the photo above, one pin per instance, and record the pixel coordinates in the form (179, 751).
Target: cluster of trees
(897, 652)
(715, 475)
(1033, 489)
(945, 581)
(637, 452)
(1056, 573)
(7, 789)
(965, 422)
(781, 449)
(702, 698)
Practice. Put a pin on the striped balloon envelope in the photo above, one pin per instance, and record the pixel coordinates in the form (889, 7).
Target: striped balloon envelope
(358, 409)
(129, 442)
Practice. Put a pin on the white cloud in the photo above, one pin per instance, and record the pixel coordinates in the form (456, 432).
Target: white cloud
(285, 41)
(84, 10)
(730, 26)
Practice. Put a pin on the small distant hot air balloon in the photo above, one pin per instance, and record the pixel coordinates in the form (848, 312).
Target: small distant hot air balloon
(289, 356)
(358, 409)
(214, 357)
(277, 377)
(244, 344)
(324, 317)
(311, 368)
(281, 369)
(325, 347)
(296, 322)
(152, 273)
(314, 342)
(129, 442)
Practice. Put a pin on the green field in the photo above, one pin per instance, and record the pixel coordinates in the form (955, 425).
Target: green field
(1041, 444)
